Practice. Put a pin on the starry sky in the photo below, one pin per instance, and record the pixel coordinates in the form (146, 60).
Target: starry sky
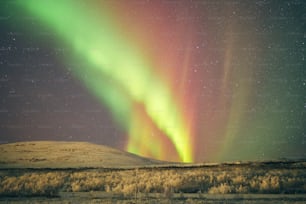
(188, 81)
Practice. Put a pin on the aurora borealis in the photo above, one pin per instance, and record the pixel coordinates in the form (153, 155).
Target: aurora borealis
(181, 80)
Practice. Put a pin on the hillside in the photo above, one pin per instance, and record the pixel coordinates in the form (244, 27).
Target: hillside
(79, 172)
(51, 154)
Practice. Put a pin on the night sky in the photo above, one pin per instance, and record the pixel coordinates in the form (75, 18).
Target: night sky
(172, 80)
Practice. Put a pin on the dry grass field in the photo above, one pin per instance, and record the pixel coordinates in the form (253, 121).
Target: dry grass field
(59, 171)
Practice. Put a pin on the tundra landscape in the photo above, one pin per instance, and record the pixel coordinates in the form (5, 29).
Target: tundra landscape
(92, 91)
(66, 172)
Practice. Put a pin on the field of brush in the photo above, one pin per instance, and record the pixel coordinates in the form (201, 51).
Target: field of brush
(248, 182)
(77, 172)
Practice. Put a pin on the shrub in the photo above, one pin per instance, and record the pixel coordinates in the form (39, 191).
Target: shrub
(224, 188)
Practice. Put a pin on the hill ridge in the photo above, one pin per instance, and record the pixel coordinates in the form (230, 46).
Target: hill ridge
(66, 154)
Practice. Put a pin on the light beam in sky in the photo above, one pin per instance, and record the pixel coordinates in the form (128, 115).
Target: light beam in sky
(185, 80)
(109, 55)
